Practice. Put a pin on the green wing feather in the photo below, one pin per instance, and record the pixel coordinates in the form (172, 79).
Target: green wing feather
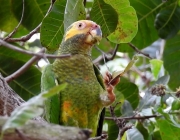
(52, 104)
(102, 115)
(99, 77)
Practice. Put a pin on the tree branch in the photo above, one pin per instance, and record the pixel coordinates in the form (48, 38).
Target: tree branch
(41, 55)
(9, 100)
(28, 36)
(20, 134)
(121, 123)
(134, 117)
(107, 58)
(34, 130)
(15, 29)
(102, 137)
(24, 67)
(138, 51)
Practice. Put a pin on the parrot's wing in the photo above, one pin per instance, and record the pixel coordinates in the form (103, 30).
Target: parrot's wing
(102, 115)
(52, 104)
(99, 77)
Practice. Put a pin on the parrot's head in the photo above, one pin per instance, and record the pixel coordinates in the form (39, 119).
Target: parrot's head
(80, 37)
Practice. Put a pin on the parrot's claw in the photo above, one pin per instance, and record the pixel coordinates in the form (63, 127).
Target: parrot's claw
(108, 77)
(110, 87)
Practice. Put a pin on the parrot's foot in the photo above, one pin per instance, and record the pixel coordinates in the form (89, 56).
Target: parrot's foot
(110, 96)
(108, 77)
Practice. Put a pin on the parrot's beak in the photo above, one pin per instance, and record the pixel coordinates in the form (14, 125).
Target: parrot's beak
(96, 33)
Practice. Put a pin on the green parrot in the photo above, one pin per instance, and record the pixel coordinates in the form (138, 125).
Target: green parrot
(87, 92)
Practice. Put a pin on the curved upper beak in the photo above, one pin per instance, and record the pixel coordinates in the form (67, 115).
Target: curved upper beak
(96, 33)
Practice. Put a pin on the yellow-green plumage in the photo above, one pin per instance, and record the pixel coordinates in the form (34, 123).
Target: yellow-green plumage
(80, 103)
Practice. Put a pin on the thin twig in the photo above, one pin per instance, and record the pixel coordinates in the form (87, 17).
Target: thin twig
(138, 51)
(133, 117)
(102, 137)
(115, 51)
(107, 57)
(24, 67)
(124, 129)
(42, 55)
(28, 36)
(103, 56)
(120, 123)
(15, 29)
(20, 134)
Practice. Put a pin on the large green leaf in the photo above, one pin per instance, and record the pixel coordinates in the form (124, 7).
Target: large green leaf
(167, 130)
(74, 11)
(170, 118)
(34, 11)
(5, 52)
(134, 134)
(127, 21)
(146, 12)
(142, 130)
(104, 15)
(130, 92)
(167, 22)
(8, 21)
(52, 29)
(171, 61)
(28, 84)
(126, 109)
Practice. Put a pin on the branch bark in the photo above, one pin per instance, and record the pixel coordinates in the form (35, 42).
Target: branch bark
(34, 130)
(9, 100)
(41, 55)
(134, 117)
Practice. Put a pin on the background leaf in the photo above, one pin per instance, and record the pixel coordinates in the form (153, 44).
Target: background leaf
(129, 90)
(165, 19)
(52, 29)
(146, 12)
(34, 11)
(156, 67)
(6, 16)
(104, 15)
(142, 130)
(126, 109)
(74, 11)
(8, 20)
(167, 130)
(28, 84)
(171, 61)
(127, 22)
(134, 134)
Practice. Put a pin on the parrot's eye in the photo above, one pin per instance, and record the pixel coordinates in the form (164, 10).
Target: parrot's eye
(81, 25)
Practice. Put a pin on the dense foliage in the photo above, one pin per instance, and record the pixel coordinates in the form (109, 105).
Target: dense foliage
(147, 103)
